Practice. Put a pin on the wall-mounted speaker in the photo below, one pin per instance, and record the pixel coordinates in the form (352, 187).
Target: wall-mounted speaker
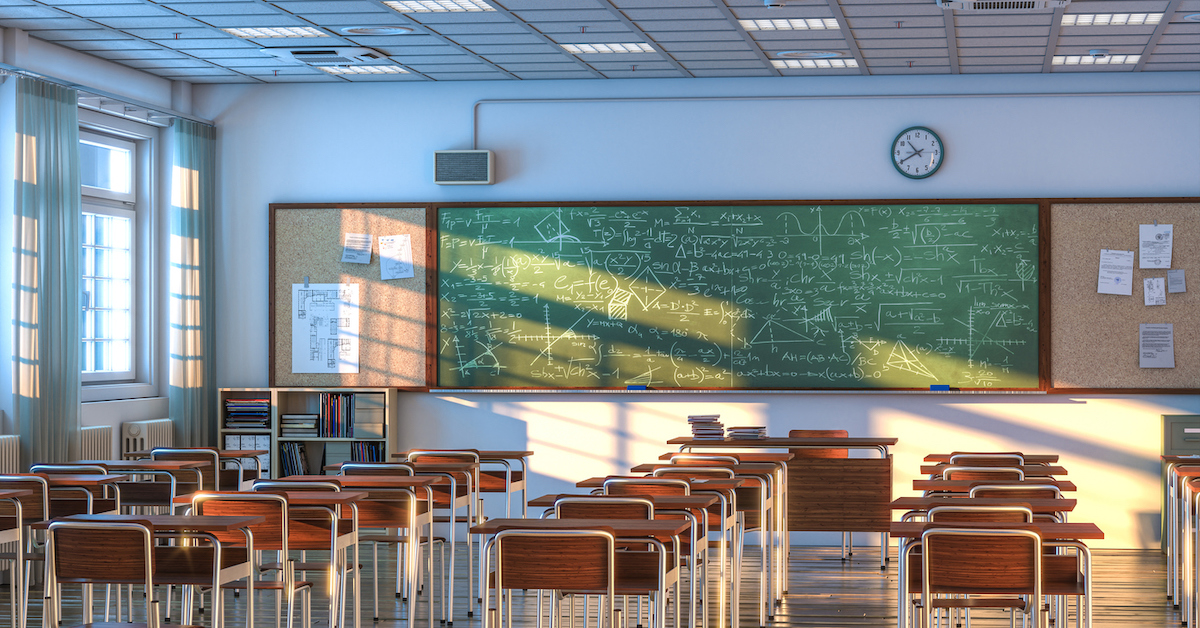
(463, 167)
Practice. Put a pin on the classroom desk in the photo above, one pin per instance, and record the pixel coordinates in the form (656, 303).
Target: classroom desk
(1038, 506)
(905, 531)
(15, 534)
(189, 524)
(504, 480)
(624, 529)
(827, 494)
(224, 455)
(64, 506)
(1037, 470)
(965, 486)
(143, 495)
(1029, 458)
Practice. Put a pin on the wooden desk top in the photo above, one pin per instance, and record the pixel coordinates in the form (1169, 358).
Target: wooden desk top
(56, 480)
(1029, 469)
(484, 454)
(1038, 506)
(1049, 531)
(371, 481)
(781, 442)
(301, 498)
(1186, 471)
(199, 523)
(748, 468)
(145, 465)
(965, 486)
(1180, 459)
(659, 501)
(743, 456)
(705, 484)
(223, 454)
(620, 527)
(1029, 458)
(420, 467)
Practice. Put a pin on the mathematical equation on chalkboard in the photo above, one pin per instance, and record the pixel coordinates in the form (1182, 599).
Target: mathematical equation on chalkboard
(874, 296)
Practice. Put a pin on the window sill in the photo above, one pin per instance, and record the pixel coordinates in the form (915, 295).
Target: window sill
(116, 392)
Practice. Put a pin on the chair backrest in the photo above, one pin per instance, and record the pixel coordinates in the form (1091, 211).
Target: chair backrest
(1005, 560)
(685, 472)
(682, 458)
(376, 468)
(274, 486)
(1017, 491)
(647, 486)
(34, 507)
(819, 453)
(272, 534)
(574, 560)
(987, 458)
(603, 507)
(208, 473)
(68, 469)
(957, 472)
(444, 455)
(387, 508)
(1000, 514)
(101, 552)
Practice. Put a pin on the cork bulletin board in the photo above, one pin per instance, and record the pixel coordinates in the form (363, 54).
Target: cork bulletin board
(1094, 337)
(306, 241)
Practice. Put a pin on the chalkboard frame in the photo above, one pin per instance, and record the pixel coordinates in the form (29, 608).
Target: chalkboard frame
(1046, 240)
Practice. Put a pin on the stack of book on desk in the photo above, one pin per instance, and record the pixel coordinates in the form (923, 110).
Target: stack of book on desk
(747, 433)
(298, 425)
(706, 426)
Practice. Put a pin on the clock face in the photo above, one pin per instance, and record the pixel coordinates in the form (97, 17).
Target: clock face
(917, 152)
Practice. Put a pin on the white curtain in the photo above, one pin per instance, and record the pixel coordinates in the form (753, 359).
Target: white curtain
(46, 278)
(193, 394)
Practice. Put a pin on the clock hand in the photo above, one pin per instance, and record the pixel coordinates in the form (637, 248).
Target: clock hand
(912, 154)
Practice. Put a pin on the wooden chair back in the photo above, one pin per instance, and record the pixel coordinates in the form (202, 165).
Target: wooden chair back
(1005, 560)
(376, 468)
(603, 507)
(101, 553)
(694, 472)
(272, 534)
(703, 460)
(444, 455)
(819, 453)
(208, 473)
(34, 507)
(998, 514)
(958, 472)
(646, 486)
(1017, 491)
(575, 560)
(987, 458)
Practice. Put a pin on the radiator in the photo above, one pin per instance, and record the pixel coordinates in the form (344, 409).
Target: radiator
(10, 454)
(95, 442)
(142, 435)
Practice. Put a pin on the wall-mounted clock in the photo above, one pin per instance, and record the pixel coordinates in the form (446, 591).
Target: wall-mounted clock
(917, 152)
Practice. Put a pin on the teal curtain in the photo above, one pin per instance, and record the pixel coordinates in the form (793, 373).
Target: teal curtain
(193, 393)
(46, 285)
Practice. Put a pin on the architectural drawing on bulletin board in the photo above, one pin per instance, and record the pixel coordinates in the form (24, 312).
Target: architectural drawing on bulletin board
(325, 328)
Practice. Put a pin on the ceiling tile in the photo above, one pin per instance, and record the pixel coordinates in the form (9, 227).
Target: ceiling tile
(540, 76)
(223, 8)
(733, 73)
(674, 14)
(490, 49)
(118, 10)
(145, 22)
(661, 36)
(596, 15)
(341, 6)
(467, 76)
(250, 21)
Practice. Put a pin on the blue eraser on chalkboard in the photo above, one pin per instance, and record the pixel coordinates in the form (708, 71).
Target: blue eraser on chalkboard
(945, 387)
(641, 387)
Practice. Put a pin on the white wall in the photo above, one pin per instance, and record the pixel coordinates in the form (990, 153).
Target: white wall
(374, 142)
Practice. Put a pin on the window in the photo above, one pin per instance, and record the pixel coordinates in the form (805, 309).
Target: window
(116, 279)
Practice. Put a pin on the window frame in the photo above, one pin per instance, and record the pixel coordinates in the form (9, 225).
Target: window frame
(144, 379)
(93, 206)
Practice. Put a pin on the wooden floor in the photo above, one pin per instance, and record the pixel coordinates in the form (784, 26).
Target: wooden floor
(824, 591)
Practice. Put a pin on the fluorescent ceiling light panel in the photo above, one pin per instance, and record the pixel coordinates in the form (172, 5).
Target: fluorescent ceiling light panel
(439, 6)
(275, 32)
(587, 49)
(812, 64)
(1111, 19)
(1090, 60)
(363, 69)
(811, 24)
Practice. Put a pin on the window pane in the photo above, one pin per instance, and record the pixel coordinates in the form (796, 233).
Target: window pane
(107, 293)
(106, 167)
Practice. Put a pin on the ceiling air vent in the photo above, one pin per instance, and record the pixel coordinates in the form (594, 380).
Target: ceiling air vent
(463, 167)
(1001, 6)
(329, 56)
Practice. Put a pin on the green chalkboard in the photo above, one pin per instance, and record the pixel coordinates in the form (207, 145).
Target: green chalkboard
(748, 296)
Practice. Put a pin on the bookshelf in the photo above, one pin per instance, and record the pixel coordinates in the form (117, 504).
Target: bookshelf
(309, 428)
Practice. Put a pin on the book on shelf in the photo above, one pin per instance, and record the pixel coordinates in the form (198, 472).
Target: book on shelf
(247, 413)
(293, 459)
(367, 451)
(298, 425)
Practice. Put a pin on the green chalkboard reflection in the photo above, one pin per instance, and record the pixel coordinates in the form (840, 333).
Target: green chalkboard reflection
(871, 296)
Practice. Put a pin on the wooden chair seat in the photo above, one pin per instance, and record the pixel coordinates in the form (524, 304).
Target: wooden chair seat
(264, 585)
(492, 481)
(982, 602)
